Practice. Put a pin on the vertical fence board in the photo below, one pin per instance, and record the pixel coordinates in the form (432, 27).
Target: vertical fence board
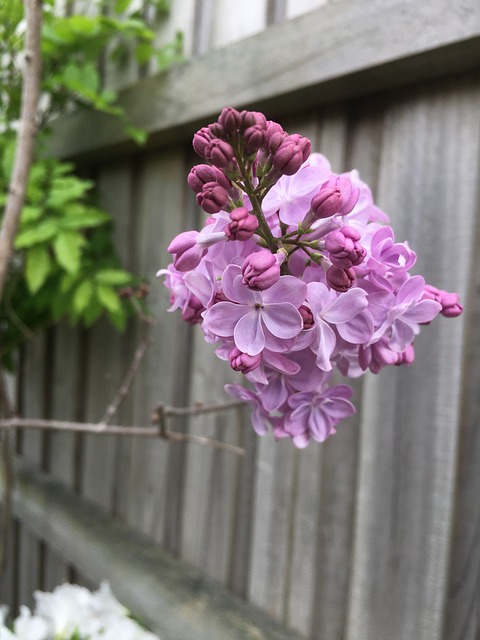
(160, 209)
(211, 475)
(233, 21)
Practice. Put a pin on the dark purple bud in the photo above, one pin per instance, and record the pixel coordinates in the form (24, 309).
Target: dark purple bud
(203, 173)
(344, 247)
(275, 135)
(201, 140)
(303, 144)
(216, 130)
(254, 138)
(230, 119)
(220, 154)
(242, 226)
(248, 119)
(260, 270)
(326, 203)
(192, 312)
(212, 198)
(340, 279)
(240, 361)
(307, 317)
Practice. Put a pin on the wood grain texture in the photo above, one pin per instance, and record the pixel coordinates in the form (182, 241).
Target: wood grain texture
(234, 21)
(347, 48)
(159, 211)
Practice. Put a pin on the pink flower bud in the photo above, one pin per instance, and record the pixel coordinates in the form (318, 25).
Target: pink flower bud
(230, 120)
(203, 173)
(200, 141)
(344, 247)
(240, 361)
(212, 198)
(291, 154)
(242, 226)
(260, 270)
(220, 154)
(340, 279)
(407, 357)
(187, 253)
(451, 307)
(326, 203)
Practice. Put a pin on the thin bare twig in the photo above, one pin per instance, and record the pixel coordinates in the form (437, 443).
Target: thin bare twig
(159, 417)
(26, 136)
(127, 381)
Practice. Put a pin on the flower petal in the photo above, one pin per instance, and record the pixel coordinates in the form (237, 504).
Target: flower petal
(222, 318)
(282, 319)
(248, 333)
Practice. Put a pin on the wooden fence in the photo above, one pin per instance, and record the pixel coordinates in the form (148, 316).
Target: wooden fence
(374, 535)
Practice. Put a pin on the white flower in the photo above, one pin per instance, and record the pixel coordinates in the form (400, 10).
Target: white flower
(28, 627)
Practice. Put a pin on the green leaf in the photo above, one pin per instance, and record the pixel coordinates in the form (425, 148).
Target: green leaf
(121, 5)
(138, 135)
(8, 158)
(108, 298)
(37, 267)
(36, 234)
(30, 214)
(68, 248)
(82, 296)
(81, 78)
(83, 218)
(143, 52)
(118, 319)
(92, 313)
(113, 277)
(67, 282)
(67, 189)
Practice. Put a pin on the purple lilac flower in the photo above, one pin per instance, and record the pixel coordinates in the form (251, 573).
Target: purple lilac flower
(257, 319)
(348, 301)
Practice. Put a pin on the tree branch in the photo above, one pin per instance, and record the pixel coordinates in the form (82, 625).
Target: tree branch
(26, 136)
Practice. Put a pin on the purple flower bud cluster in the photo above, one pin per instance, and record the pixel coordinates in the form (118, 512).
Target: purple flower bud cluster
(294, 274)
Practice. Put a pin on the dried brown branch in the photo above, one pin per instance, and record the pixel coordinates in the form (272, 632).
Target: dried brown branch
(26, 136)
(160, 416)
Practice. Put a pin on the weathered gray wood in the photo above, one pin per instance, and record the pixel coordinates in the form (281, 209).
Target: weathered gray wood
(298, 7)
(210, 476)
(110, 353)
(233, 21)
(172, 598)
(64, 403)
(160, 211)
(410, 418)
(347, 48)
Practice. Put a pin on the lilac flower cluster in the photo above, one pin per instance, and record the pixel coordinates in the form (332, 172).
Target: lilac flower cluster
(295, 272)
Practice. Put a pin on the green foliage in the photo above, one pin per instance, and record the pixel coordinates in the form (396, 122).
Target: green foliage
(65, 265)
